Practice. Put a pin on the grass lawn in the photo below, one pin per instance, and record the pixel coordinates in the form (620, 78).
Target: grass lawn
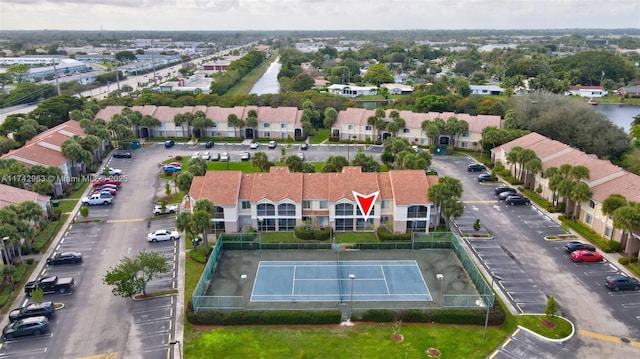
(233, 166)
(66, 205)
(276, 237)
(355, 237)
(541, 325)
(77, 194)
(173, 198)
(359, 341)
(321, 135)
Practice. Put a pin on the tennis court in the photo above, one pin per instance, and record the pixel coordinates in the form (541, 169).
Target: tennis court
(331, 281)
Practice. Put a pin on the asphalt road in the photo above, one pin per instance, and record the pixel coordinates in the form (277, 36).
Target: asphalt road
(529, 268)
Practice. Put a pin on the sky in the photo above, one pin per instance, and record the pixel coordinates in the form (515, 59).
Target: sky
(237, 15)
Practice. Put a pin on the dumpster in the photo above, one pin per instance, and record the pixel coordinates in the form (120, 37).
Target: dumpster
(55, 204)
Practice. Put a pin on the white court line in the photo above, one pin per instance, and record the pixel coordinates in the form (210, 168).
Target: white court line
(386, 285)
(293, 280)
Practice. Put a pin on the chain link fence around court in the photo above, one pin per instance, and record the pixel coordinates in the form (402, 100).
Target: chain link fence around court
(419, 241)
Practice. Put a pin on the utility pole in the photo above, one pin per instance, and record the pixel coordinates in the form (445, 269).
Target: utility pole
(55, 72)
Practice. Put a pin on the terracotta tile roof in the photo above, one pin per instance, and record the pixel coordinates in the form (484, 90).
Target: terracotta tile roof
(227, 187)
(524, 141)
(357, 116)
(627, 185)
(44, 149)
(409, 186)
(277, 185)
(221, 114)
(432, 180)
(384, 183)
(598, 169)
(547, 149)
(108, 112)
(315, 185)
(13, 196)
(278, 114)
(351, 179)
(220, 187)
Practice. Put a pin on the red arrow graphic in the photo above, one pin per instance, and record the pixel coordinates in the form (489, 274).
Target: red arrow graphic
(365, 202)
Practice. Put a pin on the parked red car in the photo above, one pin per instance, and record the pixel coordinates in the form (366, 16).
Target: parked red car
(584, 255)
(102, 182)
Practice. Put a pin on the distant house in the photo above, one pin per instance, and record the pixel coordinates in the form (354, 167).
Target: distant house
(629, 91)
(398, 89)
(586, 91)
(486, 90)
(195, 85)
(352, 90)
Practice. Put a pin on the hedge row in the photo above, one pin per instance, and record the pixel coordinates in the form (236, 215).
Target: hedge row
(310, 233)
(385, 235)
(262, 317)
(45, 235)
(4, 296)
(19, 272)
(441, 316)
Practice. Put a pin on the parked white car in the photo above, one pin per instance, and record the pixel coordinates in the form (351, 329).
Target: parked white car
(224, 157)
(163, 235)
(301, 155)
(196, 155)
(254, 145)
(169, 209)
(206, 156)
(114, 171)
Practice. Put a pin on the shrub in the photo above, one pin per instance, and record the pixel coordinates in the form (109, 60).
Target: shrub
(45, 235)
(262, 317)
(442, 316)
(385, 235)
(56, 214)
(614, 246)
(623, 260)
(198, 256)
(178, 158)
(19, 272)
(322, 234)
(4, 296)
(303, 232)
(29, 261)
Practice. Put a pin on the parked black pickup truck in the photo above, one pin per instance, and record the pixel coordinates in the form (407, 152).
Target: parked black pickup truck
(50, 285)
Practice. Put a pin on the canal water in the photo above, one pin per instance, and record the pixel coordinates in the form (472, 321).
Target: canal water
(268, 83)
(621, 115)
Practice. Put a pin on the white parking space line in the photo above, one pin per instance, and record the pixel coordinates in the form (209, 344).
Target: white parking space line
(21, 353)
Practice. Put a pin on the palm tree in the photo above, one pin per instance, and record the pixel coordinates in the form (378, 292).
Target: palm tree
(609, 205)
(525, 156)
(512, 158)
(75, 153)
(201, 123)
(581, 192)
(261, 161)
(627, 218)
(532, 166)
(233, 121)
(445, 195)
(149, 122)
(252, 121)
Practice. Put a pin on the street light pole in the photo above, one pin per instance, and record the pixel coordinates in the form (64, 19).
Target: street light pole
(441, 279)
(243, 279)
(351, 277)
(179, 346)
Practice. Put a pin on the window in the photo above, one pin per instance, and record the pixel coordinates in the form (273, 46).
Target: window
(218, 212)
(406, 130)
(361, 225)
(266, 209)
(306, 204)
(344, 209)
(464, 144)
(266, 125)
(588, 219)
(592, 204)
(416, 226)
(417, 212)
(384, 204)
(267, 224)
(161, 124)
(266, 134)
(324, 204)
(373, 211)
(283, 125)
(286, 209)
(246, 205)
(215, 124)
(465, 134)
(607, 232)
(350, 127)
(286, 224)
(344, 224)
(368, 128)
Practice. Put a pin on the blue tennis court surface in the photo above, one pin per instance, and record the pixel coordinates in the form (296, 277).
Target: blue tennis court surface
(324, 281)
